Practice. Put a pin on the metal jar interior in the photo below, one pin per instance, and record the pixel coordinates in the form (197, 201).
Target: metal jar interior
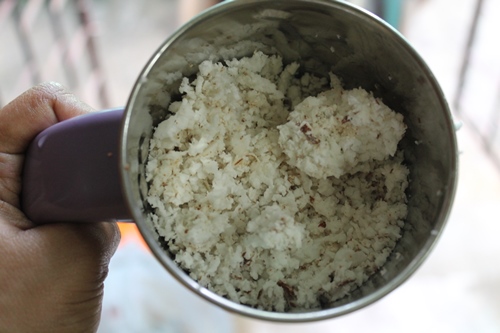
(322, 36)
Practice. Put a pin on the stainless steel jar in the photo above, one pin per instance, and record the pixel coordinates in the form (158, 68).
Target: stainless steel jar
(323, 36)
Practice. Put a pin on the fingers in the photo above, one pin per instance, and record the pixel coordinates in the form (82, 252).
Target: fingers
(81, 253)
(33, 111)
(55, 276)
(10, 179)
(92, 242)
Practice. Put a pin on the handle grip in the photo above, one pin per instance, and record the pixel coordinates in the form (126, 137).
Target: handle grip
(71, 171)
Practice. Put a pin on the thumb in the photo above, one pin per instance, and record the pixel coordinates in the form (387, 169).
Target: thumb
(36, 109)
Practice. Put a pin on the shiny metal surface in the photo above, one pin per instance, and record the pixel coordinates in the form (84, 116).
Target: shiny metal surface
(322, 35)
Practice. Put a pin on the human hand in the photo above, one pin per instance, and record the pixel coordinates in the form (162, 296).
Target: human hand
(51, 276)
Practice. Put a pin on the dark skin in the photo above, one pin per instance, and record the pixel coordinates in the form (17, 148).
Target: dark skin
(52, 275)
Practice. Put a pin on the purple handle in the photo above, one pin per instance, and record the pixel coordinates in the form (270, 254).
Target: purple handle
(71, 171)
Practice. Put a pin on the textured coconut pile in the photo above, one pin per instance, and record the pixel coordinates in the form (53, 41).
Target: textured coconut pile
(276, 190)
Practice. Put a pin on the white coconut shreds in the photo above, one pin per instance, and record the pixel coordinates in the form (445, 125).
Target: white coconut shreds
(273, 198)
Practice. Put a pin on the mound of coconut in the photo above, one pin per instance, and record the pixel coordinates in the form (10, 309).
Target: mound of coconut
(276, 190)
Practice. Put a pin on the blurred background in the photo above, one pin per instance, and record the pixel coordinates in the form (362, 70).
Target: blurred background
(97, 49)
